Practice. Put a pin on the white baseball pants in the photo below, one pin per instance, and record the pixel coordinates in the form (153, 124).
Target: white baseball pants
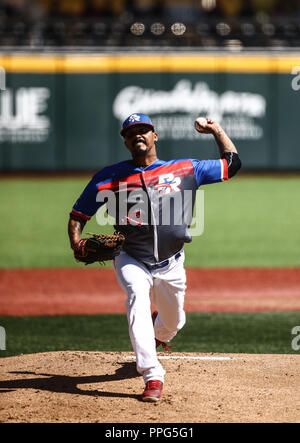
(165, 287)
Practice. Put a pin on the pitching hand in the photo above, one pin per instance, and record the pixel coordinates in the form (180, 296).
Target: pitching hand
(206, 125)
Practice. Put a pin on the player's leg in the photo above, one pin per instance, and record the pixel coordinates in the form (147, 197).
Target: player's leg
(137, 281)
(169, 287)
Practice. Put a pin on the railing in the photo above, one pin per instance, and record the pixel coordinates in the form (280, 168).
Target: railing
(157, 33)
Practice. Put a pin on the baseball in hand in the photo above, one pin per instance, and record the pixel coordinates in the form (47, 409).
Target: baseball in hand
(200, 123)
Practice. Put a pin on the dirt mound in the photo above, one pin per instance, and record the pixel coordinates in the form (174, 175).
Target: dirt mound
(104, 387)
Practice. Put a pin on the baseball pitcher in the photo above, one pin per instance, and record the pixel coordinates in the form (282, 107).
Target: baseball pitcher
(152, 203)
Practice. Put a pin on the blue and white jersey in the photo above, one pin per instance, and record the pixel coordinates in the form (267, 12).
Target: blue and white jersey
(152, 206)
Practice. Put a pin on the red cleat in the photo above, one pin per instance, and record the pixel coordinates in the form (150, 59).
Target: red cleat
(153, 391)
(158, 342)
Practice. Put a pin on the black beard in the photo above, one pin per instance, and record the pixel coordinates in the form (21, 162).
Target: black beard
(138, 151)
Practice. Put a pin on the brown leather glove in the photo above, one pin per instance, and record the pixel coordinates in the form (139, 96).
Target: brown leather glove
(99, 248)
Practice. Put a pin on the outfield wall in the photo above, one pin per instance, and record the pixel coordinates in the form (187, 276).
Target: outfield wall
(64, 112)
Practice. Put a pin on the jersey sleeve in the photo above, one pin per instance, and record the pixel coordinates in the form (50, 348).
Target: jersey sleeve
(210, 171)
(87, 205)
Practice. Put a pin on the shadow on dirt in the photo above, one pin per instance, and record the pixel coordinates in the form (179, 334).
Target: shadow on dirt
(68, 384)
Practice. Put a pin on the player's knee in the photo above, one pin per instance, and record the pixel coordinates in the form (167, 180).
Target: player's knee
(177, 323)
(137, 295)
(181, 323)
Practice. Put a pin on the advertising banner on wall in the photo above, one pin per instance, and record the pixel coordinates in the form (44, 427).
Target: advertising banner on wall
(175, 110)
(239, 106)
(65, 112)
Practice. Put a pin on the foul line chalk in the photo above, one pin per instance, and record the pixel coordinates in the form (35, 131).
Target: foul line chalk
(183, 357)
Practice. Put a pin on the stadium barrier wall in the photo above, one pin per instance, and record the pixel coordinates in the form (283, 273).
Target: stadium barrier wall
(64, 111)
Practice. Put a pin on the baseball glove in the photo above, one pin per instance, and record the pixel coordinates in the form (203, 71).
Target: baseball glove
(99, 248)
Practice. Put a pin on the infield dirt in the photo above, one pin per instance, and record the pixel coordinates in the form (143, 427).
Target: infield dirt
(104, 387)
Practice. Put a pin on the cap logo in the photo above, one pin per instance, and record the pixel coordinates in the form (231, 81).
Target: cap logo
(134, 118)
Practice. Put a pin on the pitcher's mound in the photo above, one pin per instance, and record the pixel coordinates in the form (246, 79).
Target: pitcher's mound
(105, 387)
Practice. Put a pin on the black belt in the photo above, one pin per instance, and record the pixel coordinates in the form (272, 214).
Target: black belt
(163, 264)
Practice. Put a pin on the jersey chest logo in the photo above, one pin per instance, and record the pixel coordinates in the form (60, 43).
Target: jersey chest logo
(168, 183)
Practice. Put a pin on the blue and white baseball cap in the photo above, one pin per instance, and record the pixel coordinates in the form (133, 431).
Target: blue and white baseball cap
(136, 119)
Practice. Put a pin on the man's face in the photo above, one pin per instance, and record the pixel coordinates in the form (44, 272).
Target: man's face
(140, 139)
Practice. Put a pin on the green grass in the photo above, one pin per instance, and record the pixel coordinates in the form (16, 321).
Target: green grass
(249, 221)
(34, 216)
(263, 332)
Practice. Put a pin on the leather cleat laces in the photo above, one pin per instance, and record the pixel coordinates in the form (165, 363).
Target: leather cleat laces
(153, 391)
(164, 345)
